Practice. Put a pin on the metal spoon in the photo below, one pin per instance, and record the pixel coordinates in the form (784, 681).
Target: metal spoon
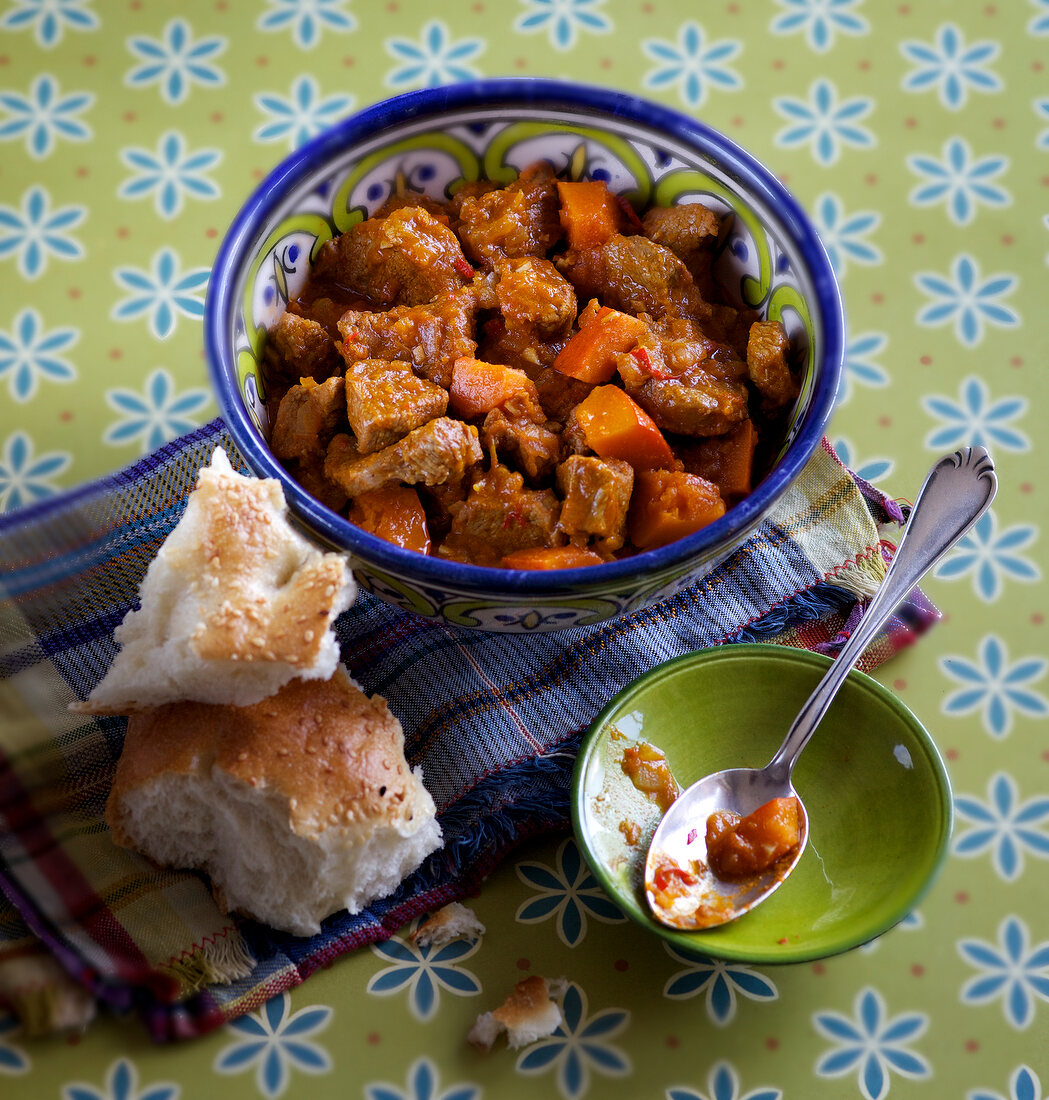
(956, 492)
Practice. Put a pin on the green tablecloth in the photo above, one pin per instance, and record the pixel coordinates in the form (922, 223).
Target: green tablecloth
(918, 137)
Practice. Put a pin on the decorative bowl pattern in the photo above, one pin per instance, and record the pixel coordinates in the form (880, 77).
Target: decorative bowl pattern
(431, 142)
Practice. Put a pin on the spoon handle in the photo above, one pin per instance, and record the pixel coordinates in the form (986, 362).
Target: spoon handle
(956, 492)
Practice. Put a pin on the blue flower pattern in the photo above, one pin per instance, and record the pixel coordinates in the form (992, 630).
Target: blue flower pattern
(563, 20)
(995, 686)
(951, 67)
(433, 59)
(176, 61)
(692, 64)
(872, 1045)
(49, 19)
(820, 21)
(1011, 970)
(568, 892)
(1023, 1085)
(967, 300)
(302, 115)
(723, 1084)
(36, 232)
(276, 1041)
(161, 294)
(860, 368)
(845, 235)
(975, 420)
(422, 1083)
(44, 115)
(990, 557)
(580, 1045)
(307, 19)
(870, 469)
(1003, 826)
(722, 982)
(824, 122)
(13, 1059)
(121, 1083)
(29, 355)
(959, 181)
(155, 415)
(170, 174)
(423, 971)
(26, 477)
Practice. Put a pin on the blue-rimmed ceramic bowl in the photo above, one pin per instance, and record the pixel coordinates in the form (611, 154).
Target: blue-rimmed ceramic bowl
(771, 260)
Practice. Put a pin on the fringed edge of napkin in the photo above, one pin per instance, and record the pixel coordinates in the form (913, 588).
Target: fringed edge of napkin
(223, 958)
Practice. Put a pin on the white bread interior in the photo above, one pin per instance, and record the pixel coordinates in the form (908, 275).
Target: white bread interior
(296, 807)
(236, 604)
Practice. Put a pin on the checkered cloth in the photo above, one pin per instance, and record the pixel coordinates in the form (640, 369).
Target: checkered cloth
(493, 719)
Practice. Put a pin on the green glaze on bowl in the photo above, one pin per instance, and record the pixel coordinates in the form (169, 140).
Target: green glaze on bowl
(876, 790)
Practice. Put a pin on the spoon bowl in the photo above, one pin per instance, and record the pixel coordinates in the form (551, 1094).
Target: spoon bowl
(681, 888)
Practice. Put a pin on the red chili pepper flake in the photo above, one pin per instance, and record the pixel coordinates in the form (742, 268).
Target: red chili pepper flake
(644, 361)
(692, 834)
(463, 267)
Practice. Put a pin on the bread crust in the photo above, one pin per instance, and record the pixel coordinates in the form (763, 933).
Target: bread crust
(334, 754)
(234, 605)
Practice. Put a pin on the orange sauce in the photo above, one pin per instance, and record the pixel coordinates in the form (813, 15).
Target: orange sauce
(650, 773)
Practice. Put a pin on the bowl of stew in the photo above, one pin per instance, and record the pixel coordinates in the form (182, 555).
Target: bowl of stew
(534, 354)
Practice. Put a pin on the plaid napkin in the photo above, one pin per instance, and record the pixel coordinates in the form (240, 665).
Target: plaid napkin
(493, 719)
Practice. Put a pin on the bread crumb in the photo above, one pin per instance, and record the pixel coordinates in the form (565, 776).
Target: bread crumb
(453, 922)
(528, 1013)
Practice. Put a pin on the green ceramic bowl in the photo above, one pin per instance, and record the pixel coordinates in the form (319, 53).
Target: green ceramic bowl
(876, 790)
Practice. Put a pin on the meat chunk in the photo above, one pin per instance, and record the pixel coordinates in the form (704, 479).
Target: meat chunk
(310, 475)
(675, 345)
(385, 401)
(634, 275)
(767, 363)
(441, 450)
(498, 516)
(304, 346)
(532, 448)
(309, 414)
(430, 336)
(522, 219)
(406, 258)
(691, 232)
(693, 402)
(596, 496)
(537, 302)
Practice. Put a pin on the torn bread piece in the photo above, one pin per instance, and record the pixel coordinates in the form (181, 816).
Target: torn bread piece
(235, 604)
(453, 922)
(531, 1012)
(296, 807)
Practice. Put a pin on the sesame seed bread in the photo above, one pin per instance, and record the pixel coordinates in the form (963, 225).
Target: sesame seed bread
(296, 807)
(235, 604)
